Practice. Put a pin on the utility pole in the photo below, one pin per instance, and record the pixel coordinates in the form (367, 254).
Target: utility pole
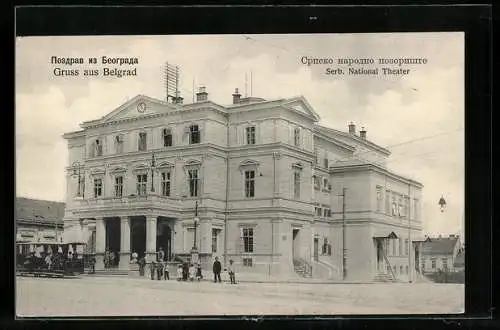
(344, 257)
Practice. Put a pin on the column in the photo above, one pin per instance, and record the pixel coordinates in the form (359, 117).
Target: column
(151, 237)
(124, 242)
(100, 245)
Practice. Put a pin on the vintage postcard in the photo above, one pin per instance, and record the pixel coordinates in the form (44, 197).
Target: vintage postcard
(259, 174)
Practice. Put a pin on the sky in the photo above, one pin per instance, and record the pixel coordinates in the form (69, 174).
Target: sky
(419, 117)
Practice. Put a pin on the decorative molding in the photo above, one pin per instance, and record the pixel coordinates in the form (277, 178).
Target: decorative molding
(277, 155)
(165, 164)
(118, 169)
(98, 170)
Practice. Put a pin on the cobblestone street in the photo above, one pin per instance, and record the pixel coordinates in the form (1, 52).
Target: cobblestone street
(115, 296)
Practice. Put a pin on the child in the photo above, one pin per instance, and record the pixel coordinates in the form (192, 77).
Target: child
(199, 276)
(230, 270)
(179, 273)
(192, 272)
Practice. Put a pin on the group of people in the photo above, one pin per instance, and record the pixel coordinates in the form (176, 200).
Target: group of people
(49, 260)
(110, 259)
(185, 272)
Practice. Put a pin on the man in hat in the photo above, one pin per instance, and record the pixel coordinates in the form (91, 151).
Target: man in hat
(217, 267)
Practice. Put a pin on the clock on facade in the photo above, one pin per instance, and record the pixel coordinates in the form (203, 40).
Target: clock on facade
(141, 107)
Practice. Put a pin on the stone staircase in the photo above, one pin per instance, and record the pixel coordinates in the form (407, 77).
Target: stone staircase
(384, 277)
(302, 268)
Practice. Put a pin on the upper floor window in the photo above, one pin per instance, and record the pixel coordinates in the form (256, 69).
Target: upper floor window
(433, 263)
(380, 198)
(317, 182)
(97, 188)
(118, 186)
(194, 134)
(388, 203)
(250, 134)
(250, 183)
(142, 181)
(193, 182)
(445, 263)
(98, 147)
(296, 184)
(142, 141)
(215, 234)
(422, 264)
(167, 137)
(325, 184)
(119, 144)
(165, 184)
(316, 155)
(318, 211)
(296, 136)
(325, 162)
(247, 239)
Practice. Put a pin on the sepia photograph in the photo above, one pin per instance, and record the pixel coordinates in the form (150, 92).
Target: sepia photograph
(240, 174)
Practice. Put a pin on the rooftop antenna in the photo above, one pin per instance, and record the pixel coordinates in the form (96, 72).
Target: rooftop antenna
(251, 84)
(171, 82)
(245, 84)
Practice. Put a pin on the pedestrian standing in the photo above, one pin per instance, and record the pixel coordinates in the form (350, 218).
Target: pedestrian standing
(217, 267)
(159, 270)
(166, 273)
(192, 272)
(92, 264)
(185, 271)
(199, 276)
(230, 270)
(152, 269)
(179, 273)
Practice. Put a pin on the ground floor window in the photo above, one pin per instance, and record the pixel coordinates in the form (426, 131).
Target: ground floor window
(247, 262)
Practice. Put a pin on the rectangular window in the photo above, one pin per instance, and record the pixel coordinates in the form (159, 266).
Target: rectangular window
(119, 144)
(118, 186)
(444, 261)
(317, 182)
(250, 133)
(142, 141)
(316, 155)
(248, 239)
(98, 147)
(249, 183)
(167, 138)
(296, 184)
(165, 184)
(247, 262)
(296, 136)
(142, 181)
(433, 263)
(388, 203)
(194, 134)
(327, 213)
(394, 208)
(325, 184)
(193, 182)
(422, 264)
(380, 199)
(325, 162)
(318, 211)
(97, 188)
(215, 233)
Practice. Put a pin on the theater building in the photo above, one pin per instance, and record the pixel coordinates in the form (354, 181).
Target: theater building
(263, 177)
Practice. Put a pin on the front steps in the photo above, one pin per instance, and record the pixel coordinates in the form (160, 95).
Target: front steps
(384, 277)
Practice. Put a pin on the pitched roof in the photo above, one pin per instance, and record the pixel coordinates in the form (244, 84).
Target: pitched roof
(39, 211)
(440, 245)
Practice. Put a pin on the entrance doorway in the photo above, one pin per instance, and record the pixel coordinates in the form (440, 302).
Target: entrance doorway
(138, 236)
(164, 237)
(295, 244)
(113, 241)
(380, 255)
(316, 249)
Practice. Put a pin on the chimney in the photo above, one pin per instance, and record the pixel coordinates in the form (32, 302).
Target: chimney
(352, 128)
(362, 133)
(201, 96)
(236, 96)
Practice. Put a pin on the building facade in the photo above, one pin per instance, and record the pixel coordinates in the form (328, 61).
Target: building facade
(39, 220)
(263, 177)
(442, 254)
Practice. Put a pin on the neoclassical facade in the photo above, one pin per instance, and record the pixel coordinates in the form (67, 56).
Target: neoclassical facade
(263, 177)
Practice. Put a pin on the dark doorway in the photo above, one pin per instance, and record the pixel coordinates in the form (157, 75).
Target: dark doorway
(164, 237)
(380, 255)
(295, 244)
(138, 236)
(316, 249)
(113, 241)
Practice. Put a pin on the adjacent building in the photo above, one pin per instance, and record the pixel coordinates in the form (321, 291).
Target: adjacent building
(442, 254)
(258, 181)
(39, 220)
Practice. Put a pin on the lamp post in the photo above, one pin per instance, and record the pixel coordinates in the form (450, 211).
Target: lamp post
(194, 250)
(76, 172)
(153, 164)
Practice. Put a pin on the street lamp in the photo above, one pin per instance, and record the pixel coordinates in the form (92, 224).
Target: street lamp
(153, 164)
(195, 225)
(442, 203)
(76, 172)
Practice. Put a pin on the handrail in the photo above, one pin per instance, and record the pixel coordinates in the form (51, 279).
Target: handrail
(390, 266)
